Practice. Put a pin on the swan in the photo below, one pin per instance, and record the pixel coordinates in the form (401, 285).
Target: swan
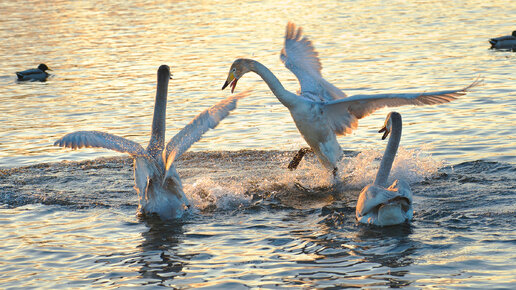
(34, 74)
(504, 42)
(157, 182)
(380, 205)
(321, 111)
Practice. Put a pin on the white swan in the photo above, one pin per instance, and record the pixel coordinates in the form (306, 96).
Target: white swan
(377, 204)
(34, 74)
(504, 42)
(321, 111)
(157, 183)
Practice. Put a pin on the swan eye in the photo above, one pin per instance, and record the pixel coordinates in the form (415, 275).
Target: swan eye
(233, 70)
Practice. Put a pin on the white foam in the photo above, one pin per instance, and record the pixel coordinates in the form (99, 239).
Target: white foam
(231, 191)
(206, 193)
(411, 165)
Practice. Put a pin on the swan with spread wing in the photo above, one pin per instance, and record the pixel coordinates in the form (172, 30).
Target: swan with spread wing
(321, 111)
(157, 182)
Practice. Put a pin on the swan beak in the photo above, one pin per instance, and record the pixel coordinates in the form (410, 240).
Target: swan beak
(231, 80)
(385, 132)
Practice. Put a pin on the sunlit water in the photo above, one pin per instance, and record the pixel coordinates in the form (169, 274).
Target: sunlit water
(254, 224)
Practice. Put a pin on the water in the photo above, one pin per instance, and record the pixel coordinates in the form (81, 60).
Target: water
(72, 224)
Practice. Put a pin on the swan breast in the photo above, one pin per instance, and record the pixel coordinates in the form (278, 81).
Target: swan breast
(385, 206)
(158, 193)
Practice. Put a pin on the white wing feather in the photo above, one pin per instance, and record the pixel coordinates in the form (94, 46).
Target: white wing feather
(98, 139)
(371, 196)
(192, 132)
(300, 57)
(343, 114)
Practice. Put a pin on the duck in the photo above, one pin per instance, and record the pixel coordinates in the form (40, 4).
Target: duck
(320, 110)
(157, 183)
(378, 204)
(34, 74)
(504, 42)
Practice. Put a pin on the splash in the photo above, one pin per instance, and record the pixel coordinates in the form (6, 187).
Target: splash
(245, 176)
(207, 194)
(412, 165)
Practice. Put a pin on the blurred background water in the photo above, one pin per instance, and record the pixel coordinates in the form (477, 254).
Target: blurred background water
(105, 58)
(72, 224)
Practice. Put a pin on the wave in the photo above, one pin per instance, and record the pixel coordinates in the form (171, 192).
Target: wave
(232, 180)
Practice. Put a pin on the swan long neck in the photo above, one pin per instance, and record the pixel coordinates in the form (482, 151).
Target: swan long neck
(390, 151)
(285, 97)
(157, 141)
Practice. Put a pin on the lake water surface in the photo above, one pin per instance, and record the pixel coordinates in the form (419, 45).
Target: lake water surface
(68, 217)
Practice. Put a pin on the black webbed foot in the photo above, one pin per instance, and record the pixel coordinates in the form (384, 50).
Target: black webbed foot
(299, 156)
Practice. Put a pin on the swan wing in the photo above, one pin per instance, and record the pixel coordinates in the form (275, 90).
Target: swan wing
(343, 114)
(300, 57)
(96, 139)
(402, 188)
(145, 172)
(371, 196)
(191, 133)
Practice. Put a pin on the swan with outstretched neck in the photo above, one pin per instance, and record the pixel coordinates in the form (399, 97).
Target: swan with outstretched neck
(156, 180)
(381, 205)
(321, 111)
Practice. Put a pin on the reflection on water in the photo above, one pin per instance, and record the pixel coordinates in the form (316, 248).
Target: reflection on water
(159, 259)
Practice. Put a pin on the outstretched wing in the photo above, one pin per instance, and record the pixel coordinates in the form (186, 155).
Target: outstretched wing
(192, 132)
(300, 57)
(96, 139)
(343, 114)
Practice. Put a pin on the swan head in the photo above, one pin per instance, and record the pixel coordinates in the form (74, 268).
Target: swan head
(385, 206)
(239, 68)
(43, 67)
(164, 72)
(387, 127)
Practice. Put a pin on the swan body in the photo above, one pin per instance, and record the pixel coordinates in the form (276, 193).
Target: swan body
(504, 42)
(35, 74)
(157, 182)
(380, 205)
(321, 111)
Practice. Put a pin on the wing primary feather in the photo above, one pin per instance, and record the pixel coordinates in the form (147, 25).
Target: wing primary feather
(191, 133)
(96, 139)
(343, 114)
(301, 58)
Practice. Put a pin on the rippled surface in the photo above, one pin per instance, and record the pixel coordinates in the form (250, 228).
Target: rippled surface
(73, 225)
(105, 58)
(254, 224)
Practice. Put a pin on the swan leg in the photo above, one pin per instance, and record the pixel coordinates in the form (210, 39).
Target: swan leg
(299, 155)
(335, 173)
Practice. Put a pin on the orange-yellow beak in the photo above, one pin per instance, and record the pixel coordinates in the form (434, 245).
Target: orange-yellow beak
(231, 80)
